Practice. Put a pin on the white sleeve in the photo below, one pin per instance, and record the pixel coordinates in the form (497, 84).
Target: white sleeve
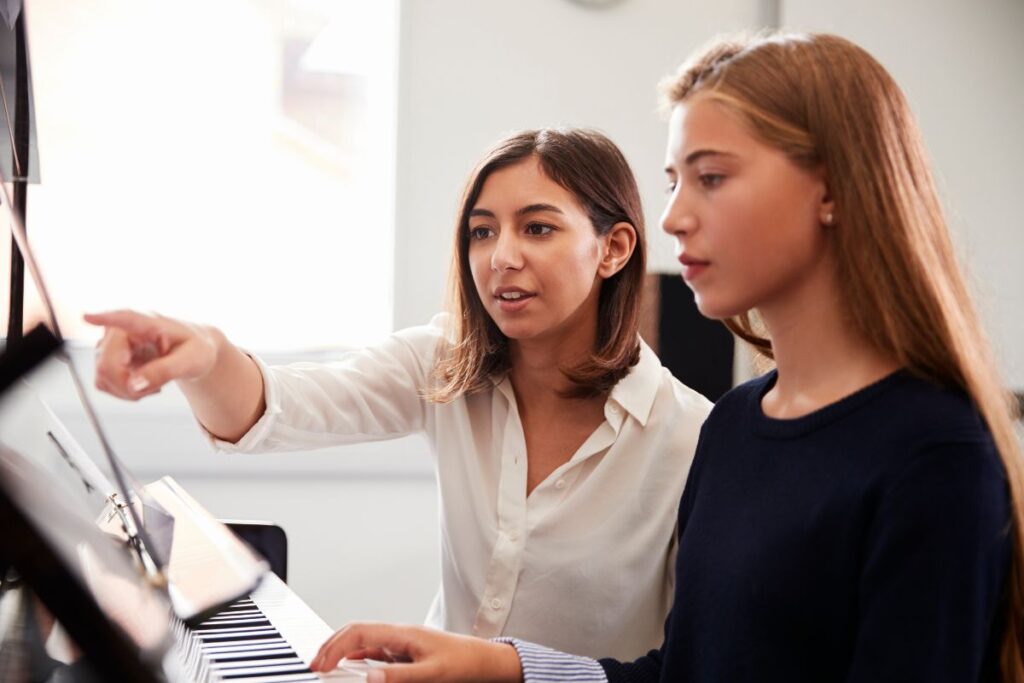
(370, 394)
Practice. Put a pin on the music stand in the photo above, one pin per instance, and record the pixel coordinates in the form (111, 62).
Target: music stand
(120, 622)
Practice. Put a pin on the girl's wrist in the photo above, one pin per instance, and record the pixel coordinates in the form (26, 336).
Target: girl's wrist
(502, 664)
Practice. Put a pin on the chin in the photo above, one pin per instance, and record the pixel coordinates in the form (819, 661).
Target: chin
(517, 330)
(714, 309)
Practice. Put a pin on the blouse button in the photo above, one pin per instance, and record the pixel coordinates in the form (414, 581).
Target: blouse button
(496, 603)
(560, 484)
(513, 536)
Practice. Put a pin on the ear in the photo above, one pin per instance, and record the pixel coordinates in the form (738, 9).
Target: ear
(619, 243)
(827, 207)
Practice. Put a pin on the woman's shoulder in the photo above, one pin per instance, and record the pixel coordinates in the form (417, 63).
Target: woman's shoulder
(435, 329)
(426, 339)
(926, 411)
(665, 388)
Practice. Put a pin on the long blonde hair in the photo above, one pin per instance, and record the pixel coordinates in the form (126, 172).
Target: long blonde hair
(827, 104)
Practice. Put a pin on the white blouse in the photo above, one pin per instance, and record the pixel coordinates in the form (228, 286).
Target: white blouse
(585, 563)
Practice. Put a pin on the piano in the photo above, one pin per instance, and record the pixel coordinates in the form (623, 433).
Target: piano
(268, 634)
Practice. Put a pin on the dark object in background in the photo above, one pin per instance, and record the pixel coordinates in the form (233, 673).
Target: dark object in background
(698, 351)
(267, 539)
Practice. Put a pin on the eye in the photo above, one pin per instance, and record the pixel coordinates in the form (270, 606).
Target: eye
(538, 229)
(670, 188)
(709, 181)
(481, 232)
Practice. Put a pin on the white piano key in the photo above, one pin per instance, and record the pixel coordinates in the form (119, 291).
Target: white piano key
(299, 625)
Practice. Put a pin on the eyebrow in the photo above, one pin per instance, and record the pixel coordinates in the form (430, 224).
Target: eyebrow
(693, 156)
(531, 208)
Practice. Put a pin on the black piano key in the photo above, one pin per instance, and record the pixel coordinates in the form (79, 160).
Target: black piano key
(282, 678)
(246, 673)
(266, 667)
(308, 676)
(256, 656)
(247, 646)
(207, 626)
(240, 644)
(238, 614)
(238, 637)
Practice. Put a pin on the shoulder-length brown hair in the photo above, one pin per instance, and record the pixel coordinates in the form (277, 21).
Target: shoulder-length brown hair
(827, 104)
(594, 170)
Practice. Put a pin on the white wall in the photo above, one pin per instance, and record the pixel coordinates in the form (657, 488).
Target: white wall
(472, 71)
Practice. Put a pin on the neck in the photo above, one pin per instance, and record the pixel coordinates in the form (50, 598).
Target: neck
(820, 356)
(536, 373)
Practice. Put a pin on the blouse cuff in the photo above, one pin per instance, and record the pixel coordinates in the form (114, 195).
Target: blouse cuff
(544, 665)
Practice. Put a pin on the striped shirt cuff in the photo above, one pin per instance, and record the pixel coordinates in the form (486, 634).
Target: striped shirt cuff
(544, 665)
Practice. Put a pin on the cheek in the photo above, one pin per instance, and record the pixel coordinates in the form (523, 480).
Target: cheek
(578, 266)
(778, 245)
(764, 226)
(479, 266)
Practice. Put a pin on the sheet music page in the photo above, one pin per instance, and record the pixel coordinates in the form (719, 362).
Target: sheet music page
(28, 425)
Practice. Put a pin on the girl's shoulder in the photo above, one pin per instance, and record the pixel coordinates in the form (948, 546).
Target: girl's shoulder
(739, 399)
(923, 410)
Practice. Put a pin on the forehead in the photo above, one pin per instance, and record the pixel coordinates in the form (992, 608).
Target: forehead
(521, 184)
(703, 123)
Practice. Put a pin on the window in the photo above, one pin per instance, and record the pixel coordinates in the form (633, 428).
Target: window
(228, 162)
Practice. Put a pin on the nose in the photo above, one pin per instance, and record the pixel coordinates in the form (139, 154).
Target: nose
(679, 219)
(507, 254)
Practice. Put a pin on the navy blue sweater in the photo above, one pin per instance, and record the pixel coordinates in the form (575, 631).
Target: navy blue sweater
(867, 541)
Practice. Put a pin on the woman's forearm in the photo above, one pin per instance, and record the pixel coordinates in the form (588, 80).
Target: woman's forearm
(229, 399)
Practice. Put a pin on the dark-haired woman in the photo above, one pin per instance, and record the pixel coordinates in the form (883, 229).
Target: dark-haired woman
(561, 443)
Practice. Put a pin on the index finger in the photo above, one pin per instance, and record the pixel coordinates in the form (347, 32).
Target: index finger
(398, 640)
(131, 322)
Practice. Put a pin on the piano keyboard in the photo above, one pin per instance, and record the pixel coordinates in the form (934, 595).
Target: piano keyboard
(268, 637)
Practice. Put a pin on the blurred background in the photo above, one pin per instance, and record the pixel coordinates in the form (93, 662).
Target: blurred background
(289, 170)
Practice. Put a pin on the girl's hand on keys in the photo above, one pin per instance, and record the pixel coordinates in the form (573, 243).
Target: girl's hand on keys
(420, 655)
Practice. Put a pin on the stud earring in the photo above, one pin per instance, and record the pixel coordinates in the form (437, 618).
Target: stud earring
(829, 218)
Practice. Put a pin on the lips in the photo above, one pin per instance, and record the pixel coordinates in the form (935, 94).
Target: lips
(511, 293)
(692, 267)
(512, 299)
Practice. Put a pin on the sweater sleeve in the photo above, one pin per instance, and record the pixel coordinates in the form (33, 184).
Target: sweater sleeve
(934, 568)
(646, 669)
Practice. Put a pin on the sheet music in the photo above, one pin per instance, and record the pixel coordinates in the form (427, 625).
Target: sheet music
(28, 425)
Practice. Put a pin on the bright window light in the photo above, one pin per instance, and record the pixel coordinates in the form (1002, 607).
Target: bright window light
(229, 162)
